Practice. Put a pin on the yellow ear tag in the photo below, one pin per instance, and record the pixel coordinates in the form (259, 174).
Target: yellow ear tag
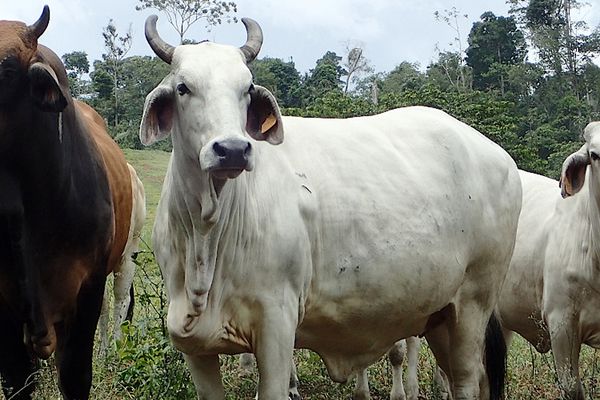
(270, 121)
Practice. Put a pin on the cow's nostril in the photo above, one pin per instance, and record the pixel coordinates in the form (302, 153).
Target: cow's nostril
(221, 151)
(248, 149)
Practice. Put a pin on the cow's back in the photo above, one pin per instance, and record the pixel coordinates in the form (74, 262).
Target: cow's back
(415, 168)
(118, 177)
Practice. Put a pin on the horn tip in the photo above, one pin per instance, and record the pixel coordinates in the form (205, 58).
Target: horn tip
(45, 12)
(249, 21)
(151, 20)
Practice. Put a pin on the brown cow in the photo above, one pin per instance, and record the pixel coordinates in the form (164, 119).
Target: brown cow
(65, 205)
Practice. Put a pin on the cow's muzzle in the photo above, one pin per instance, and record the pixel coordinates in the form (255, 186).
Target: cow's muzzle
(229, 157)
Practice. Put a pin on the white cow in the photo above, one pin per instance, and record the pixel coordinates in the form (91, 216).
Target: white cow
(349, 235)
(552, 292)
(123, 276)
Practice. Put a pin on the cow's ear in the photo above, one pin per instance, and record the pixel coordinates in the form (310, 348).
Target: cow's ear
(264, 118)
(572, 176)
(45, 88)
(157, 120)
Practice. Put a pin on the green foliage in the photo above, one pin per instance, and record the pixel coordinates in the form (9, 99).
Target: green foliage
(77, 64)
(280, 77)
(138, 76)
(324, 78)
(449, 72)
(533, 110)
(148, 365)
(495, 43)
(406, 76)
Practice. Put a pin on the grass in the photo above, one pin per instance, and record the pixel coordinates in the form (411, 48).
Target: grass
(144, 365)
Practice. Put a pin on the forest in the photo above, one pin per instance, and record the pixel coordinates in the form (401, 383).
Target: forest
(529, 81)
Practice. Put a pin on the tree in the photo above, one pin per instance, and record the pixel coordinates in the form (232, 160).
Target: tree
(495, 44)
(325, 77)
(405, 76)
(453, 61)
(116, 48)
(280, 77)
(182, 14)
(77, 64)
(138, 76)
(561, 43)
(355, 65)
(449, 72)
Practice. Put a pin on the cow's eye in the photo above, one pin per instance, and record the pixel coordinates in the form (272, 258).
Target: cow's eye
(182, 89)
(594, 155)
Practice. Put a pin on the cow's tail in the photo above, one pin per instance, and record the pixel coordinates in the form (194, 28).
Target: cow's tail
(129, 315)
(495, 358)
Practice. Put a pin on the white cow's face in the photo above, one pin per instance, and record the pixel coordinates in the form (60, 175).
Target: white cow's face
(575, 166)
(212, 109)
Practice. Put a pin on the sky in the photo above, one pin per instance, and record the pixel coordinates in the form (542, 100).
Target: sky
(389, 31)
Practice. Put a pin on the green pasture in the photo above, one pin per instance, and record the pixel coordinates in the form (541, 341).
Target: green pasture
(145, 366)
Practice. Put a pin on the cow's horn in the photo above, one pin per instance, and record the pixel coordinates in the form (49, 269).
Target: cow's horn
(41, 24)
(161, 48)
(254, 40)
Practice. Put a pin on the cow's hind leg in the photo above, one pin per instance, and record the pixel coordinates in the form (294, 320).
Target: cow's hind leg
(76, 342)
(122, 290)
(459, 345)
(361, 387)
(17, 367)
(466, 341)
(413, 344)
(103, 324)
(247, 363)
(396, 355)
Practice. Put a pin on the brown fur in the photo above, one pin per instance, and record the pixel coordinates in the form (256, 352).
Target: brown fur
(119, 180)
(17, 40)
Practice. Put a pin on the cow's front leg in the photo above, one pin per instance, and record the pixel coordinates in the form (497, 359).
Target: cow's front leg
(274, 356)
(76, 341)
(206, 374)
(17, 367)
(565, 348)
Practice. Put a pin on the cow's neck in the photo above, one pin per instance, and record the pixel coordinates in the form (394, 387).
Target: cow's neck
(41, 153)
(208, 210)
(593, 199)
(59, 169)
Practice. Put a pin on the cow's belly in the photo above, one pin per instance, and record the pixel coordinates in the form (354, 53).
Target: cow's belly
(356, 312)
